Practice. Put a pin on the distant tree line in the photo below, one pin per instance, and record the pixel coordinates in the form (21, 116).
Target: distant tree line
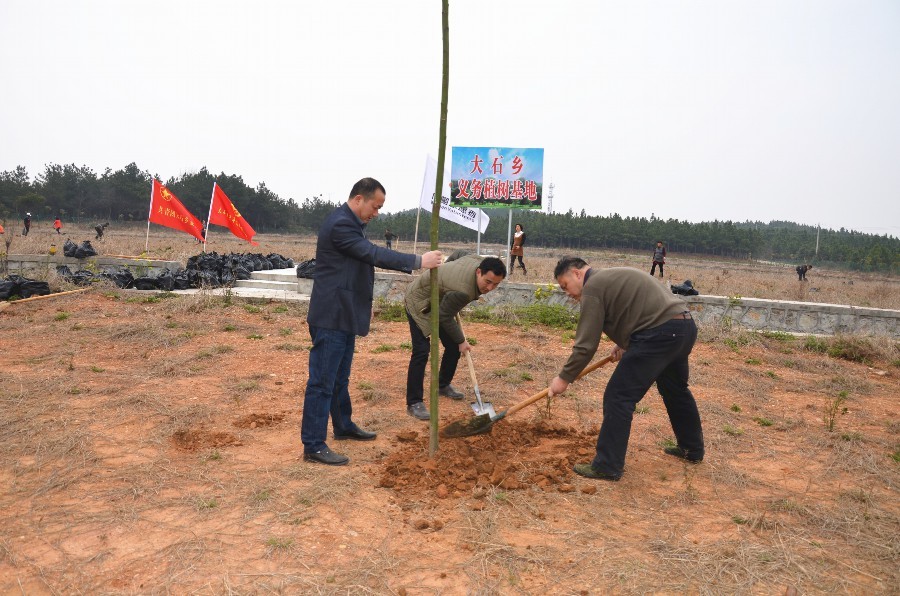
(80, 194)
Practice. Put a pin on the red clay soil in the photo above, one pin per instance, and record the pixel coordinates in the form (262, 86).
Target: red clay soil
(151, 445)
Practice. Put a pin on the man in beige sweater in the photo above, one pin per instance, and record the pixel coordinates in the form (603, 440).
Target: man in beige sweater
(460, 281)
(654, 335)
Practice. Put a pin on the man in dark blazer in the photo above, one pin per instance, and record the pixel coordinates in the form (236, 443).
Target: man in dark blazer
(340, 308)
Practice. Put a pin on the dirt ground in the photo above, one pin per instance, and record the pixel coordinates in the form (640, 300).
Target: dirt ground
(151, 445)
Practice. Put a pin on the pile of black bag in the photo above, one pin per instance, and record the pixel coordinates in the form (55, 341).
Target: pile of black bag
(79, 251)
(15, 285)
(215, 270)
(206, 270)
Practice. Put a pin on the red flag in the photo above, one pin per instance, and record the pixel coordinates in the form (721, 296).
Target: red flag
(223, 213)
(167, 210)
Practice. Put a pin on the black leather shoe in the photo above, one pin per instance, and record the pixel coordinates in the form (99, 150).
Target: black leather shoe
(588, 471)
(355, 433)
(451, 392)
(326, 456)
(418, 410)
(681, 453)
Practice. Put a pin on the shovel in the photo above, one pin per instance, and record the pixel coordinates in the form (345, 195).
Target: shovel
(484, 423)
(479, 407)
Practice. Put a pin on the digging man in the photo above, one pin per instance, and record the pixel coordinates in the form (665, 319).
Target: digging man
(461, 281)
(654, 335)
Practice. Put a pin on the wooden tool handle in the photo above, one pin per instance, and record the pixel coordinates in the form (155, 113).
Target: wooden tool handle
(538, 396)
(468, 355)
(48, 296)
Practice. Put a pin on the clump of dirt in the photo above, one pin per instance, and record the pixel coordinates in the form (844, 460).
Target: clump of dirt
(195, 439)
(513, 457)
(259, 420)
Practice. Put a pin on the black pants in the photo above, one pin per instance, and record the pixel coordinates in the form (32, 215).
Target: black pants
(512, 264)
(653, 268)
(656, 355)
(421, 349)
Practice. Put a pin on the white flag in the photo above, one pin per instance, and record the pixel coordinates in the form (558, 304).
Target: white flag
(464, 216)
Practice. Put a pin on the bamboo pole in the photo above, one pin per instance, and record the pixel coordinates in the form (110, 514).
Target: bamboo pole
(435, 222)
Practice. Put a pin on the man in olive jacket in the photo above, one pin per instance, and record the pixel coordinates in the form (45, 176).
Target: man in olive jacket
(460, 282)
(654, 335)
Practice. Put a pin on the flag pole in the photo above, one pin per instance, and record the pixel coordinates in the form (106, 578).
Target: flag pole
(149, 213)
(416, 236)
(209, 214)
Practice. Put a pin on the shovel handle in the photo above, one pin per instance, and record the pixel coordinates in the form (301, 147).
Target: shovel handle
(538, 396)
(468, 356)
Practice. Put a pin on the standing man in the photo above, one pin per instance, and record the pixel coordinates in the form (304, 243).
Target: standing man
(389, 238)
(27, 226)
(460, 282)
(340, 308)
(801, 271)
(654, 335)
(659, 258)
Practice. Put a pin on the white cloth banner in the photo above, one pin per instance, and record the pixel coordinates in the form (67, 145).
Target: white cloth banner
(464, 216)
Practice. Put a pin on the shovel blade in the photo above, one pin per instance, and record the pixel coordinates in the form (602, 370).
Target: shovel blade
(483, 408)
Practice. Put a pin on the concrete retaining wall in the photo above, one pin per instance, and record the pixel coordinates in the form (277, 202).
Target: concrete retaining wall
(29, 265)
(750, 313)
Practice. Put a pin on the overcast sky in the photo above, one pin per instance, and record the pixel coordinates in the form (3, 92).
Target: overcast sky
(695, 110)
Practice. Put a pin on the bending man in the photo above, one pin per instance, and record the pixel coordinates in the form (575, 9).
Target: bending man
(654, 335)
(460, 282)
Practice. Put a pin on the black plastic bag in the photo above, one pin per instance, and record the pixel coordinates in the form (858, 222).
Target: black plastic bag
(85, 250)
(307, 269)
(145, 283)
(165, 281)
(32, 287)
(121, 277)
(8, 288)
(685, 289)
(69, 248)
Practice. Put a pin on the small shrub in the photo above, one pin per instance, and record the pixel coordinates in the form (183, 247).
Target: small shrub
(735, 408)
(752, 361)
(526, 376)
(97, 369)
(778, 335)
(732, 431)
(383, 348)
(472, 341)
(281, 308)
(406, 345)
(771, 374)
(391, 311)
(206, 504)
(254, 336)
(229, 327)
(763, 421)
(290, 347)
(832, 407)
(61, 316)
(285, 331)
(252, 309)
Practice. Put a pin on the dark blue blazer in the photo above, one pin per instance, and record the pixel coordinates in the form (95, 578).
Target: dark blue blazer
(345, 273)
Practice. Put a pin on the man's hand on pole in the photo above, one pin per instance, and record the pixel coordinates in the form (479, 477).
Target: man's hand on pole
(432, 259)
(617, 353)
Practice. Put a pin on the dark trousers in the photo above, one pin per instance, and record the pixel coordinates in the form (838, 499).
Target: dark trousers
(327, 392)
(512, 264)
(656, 355)
(421, 349)
(653, 268)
